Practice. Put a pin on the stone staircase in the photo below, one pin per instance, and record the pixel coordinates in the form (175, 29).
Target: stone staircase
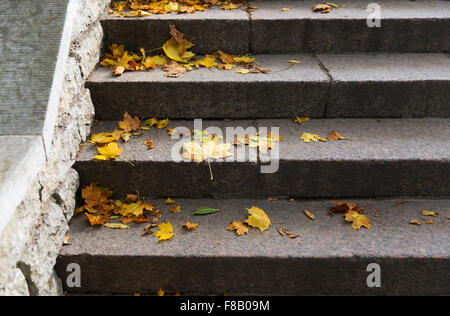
(388, 88)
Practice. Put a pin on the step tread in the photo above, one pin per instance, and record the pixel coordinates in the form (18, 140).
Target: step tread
(383, 139)
(354, 9)
(309, 70)
(391, 235)
(349, 67)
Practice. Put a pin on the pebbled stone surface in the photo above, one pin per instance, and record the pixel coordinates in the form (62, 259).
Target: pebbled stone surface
(406, 157)
(210, 30)
(406, 26)
(211, 93)
(388, 85)
(329, 257)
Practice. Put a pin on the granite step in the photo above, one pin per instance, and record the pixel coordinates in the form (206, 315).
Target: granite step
(353, 85)
(387, 158)
(328, 258)
(406, 26)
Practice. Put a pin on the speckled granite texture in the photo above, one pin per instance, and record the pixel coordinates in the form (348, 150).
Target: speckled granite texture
(329, 257)
(390, 158)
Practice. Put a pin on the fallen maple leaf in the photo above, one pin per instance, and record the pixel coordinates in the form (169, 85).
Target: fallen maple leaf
(97, 220)
(108, 152)
(165, 232)
(358, 220)
(241, 228)
(258, 218)
(308, 137)
(105, 138)
(335, 136)
(161, 292)
(129, 124)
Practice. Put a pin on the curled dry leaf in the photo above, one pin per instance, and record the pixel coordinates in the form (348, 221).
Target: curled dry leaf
(150, 144)
(322, 8)
(175, 209)
(415, 222)
(429, 213)
(335, 136)
(310, 215)
(301, 120)
(190, 226)
(116, 226)
(241, 228)
(170, 201)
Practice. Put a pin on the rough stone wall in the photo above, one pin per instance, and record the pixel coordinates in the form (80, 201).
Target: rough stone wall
(33, 238)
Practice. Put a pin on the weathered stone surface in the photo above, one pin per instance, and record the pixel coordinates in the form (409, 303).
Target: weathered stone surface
(329, 257)
(212, 93)
(30, 47)
(388, 85)
(88, 13)
(14, 285)
(405, 27)
(31, 239)
(210, 30)
(379, 163)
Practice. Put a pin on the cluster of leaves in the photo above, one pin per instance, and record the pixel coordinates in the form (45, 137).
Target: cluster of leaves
(310, 137)
(426, 220)
(353, 213)
(206, 147)
(176, 59)
(100, 208)
(127, 128)
(142, 8)
(257, 219)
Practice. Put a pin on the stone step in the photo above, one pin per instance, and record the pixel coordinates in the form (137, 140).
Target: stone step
(406, 26)
(388, 158)
(329, 257)
(355, 85)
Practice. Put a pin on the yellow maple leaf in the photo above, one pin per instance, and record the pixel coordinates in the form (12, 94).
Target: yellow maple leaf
(165, 232)
(161, 292)
(308, 137)
(241, 228)
(108, 152)
(208, 149)
(258, 218)
(97, 220)
(209, 61)
(358, 220)
(163, 123)
(104, 138)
